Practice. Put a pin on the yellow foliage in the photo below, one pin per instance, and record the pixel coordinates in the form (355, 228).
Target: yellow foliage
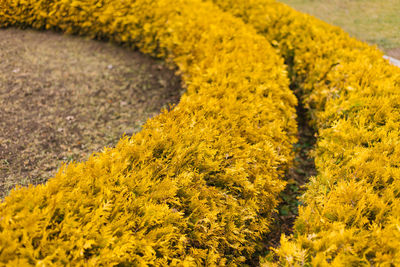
(198, 184)
(352, 208)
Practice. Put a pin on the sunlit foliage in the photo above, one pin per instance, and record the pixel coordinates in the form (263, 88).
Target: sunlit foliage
(351, 215)
(198, 184)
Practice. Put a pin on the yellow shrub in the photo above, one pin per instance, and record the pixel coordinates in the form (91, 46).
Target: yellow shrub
(198, 184)
(351, 215)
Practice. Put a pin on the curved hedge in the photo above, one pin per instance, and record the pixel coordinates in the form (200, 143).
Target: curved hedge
(351, 215)
(198, 184)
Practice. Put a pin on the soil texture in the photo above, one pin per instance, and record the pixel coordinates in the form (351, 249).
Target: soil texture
(64, 97)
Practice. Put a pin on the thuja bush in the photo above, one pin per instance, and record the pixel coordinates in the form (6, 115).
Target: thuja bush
(351, 215)
(199, 183)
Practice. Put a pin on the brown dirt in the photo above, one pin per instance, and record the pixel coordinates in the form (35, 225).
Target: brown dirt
(64, 97)
(394, 52)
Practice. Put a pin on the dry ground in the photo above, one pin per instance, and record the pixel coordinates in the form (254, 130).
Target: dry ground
(64, 97)
(395, 52)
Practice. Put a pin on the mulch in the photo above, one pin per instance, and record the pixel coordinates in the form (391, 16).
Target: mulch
(64, 97)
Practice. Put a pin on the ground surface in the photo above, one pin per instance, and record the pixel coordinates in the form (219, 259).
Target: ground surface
(373, 21)
(395, 52)
(64, 97)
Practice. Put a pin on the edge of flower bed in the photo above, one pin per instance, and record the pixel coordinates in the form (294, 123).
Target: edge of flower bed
(392, 60)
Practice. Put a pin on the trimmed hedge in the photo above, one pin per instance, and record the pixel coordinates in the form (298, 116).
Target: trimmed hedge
(198, 184)
(351, 215)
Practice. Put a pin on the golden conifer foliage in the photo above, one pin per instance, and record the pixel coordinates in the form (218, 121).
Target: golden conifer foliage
(351, 215)
(198, 184)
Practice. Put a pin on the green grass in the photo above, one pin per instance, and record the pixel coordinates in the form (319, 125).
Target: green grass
(373, 21)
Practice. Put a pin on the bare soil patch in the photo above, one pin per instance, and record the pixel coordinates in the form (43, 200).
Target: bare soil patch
(64, 97)
(394, 52)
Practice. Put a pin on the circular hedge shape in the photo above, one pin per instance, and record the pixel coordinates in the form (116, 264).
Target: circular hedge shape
(198, 184)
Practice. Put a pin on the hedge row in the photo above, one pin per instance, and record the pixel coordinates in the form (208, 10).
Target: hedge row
(198, 184)
(351, 215)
